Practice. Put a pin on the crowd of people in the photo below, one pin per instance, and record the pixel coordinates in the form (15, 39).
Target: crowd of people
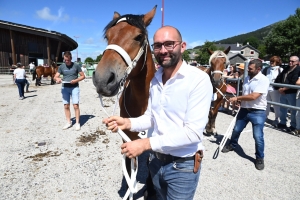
(284, 95)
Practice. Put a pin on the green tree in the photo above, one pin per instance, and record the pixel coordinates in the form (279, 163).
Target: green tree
(253, 41)
(98, 58)
(89, 60)
(284, 38)
(203, 55)
(262, 49)
(186, 55)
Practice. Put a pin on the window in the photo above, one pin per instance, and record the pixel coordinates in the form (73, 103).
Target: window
(242, 52)
(252, 52)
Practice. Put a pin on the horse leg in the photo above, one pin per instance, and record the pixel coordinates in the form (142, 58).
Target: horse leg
(214, 115)
(208, 127)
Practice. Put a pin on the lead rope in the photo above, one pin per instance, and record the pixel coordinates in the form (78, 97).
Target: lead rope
(131, 181)
(230, 127)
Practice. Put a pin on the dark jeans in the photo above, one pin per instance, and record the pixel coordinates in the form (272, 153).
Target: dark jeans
(175, 180)
(21, 84)
(257, 119)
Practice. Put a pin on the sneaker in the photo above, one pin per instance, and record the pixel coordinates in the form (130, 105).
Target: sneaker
(275, 123)
(291, 129)
(283, 127)
(259, 164)
(295, 132)
(68, 125)
(21, 98)
(77, 126)
(227, 148)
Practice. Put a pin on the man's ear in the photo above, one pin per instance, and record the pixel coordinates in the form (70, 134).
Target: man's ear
(183, 47)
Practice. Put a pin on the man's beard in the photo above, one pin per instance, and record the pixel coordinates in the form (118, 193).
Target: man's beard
(174, 59)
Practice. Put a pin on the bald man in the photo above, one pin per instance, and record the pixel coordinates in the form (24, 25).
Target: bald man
(178, 106)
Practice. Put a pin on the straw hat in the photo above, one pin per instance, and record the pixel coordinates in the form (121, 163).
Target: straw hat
(241, 66)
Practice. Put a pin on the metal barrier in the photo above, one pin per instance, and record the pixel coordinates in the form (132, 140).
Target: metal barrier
(284, 105)
(237, 80)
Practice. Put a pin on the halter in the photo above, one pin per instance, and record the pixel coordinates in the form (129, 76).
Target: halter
(218, 54)
(131, 64)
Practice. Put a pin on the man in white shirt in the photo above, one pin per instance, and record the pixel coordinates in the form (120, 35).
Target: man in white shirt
(253, 109)
(31, 67)
(178, 106)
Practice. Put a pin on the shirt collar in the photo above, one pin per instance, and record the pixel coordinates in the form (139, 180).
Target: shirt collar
(182, 70)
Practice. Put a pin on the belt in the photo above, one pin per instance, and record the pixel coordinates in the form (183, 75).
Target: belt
(169, 158)
(253, 109)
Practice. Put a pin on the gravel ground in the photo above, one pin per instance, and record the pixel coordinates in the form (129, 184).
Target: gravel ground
(41, 161)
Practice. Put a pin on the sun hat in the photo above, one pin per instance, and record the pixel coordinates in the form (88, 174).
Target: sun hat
(241, 66)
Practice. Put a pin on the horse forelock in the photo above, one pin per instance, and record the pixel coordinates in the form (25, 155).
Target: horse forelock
(134, 20)
(217, 54)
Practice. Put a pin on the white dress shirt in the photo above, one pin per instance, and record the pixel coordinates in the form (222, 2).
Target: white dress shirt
(177, 111)
(259, 84)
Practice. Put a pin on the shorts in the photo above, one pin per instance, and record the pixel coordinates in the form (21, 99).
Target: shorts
(68, 92)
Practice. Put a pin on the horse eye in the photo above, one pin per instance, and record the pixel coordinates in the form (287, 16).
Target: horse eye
(139, 38)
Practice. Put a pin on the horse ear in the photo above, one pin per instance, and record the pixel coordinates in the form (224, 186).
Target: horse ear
(227, 50)
(149, 16)
(210, 51)
(116, 15)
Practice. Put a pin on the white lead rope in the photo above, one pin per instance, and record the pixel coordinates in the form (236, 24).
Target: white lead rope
(131, 181)
(230, 127)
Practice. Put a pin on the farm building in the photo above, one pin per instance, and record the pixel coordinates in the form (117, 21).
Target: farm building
(26, 44)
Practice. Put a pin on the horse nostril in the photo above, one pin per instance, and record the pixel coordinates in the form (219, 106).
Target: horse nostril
(111, 78)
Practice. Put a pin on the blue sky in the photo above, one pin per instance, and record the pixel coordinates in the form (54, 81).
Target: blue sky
(197, 20)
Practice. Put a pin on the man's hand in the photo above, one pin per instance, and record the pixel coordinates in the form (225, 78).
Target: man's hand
(112, 123)
(281, 90)
(58, 80)
(136, 147)
(233, 99)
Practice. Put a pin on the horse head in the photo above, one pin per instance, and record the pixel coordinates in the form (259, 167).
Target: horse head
(126, 53)
(218, 62)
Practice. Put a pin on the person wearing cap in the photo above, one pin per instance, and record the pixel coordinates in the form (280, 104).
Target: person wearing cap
(253, 109)
(20, 79)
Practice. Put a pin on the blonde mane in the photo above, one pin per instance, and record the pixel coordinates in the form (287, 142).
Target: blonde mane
(217, 54)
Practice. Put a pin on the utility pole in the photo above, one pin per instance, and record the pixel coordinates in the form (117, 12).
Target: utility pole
(76, 48)
(162, 13)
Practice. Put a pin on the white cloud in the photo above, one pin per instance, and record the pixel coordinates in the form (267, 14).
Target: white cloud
(45, 14)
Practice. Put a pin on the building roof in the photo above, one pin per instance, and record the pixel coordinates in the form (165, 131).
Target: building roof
(39, 31)
(233, 55)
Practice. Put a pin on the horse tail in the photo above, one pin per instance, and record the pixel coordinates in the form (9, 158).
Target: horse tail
(34, 74)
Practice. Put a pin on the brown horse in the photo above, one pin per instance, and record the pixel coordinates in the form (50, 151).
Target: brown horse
(45, 72)
(127, 61)
(218, 61)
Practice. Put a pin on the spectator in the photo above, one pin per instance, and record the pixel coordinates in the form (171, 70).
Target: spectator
(31, 67)
(253, 109)
(288, 96)
(180, 97)
(70, 87)
(19, 75)
(84, 70)
(273, 95)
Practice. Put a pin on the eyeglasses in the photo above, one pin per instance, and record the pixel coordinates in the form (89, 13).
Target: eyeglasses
(292, 61)
(169, 45)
